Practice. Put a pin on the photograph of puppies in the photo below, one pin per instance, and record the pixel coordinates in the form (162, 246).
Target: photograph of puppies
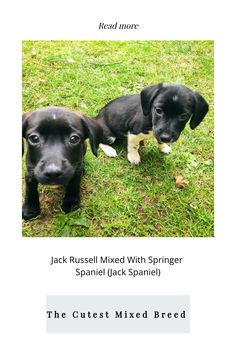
(118, 138)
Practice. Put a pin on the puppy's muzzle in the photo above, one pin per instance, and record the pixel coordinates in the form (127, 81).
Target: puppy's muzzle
(52, 171)
(165, 138)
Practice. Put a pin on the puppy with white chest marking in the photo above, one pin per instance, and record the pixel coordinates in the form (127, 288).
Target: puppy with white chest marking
(160, 110)
(55, 149)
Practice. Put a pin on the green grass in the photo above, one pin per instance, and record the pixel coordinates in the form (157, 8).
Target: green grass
(119, 199)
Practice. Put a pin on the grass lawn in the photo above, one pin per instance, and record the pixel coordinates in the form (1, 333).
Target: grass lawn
(119, 199)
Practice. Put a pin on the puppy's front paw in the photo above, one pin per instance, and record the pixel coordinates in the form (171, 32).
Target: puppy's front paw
(164, 148)
(30, 212)
(134, 158)
(70, 204)
(108, 150)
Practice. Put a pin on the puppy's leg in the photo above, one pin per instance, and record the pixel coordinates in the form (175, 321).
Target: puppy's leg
(31, 207)
(133, 145)
(166, 149)
(71, 199)
(109, 151)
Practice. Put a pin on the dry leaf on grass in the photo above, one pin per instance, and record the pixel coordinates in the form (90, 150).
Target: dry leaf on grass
(180, 182)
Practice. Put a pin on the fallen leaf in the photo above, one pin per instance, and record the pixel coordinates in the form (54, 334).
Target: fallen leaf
(180, 182)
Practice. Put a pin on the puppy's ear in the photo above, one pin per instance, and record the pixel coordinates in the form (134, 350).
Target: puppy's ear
(25, 118)
(201, 108)
(93, 131)
(24, 127)
(147, 96)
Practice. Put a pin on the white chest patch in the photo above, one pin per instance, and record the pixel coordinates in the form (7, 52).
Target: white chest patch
(54, 116)
(175, 98)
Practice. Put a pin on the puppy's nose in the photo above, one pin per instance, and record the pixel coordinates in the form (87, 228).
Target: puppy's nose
(165, 138)
(53, 171)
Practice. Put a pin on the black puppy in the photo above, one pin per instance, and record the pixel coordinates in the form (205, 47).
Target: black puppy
(56, 146)
(161, 110)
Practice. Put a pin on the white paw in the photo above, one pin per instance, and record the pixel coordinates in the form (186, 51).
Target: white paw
(166, 149)
(134, 158)
(109, 151)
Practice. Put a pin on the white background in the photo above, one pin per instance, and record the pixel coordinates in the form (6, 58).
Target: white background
(208, 271)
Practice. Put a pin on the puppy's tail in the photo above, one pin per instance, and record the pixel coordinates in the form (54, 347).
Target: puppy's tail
(108, 137)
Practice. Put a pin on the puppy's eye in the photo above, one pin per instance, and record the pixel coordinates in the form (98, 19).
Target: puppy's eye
(158, 110)
(74, 139)
(34, 139)
(183, 116)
